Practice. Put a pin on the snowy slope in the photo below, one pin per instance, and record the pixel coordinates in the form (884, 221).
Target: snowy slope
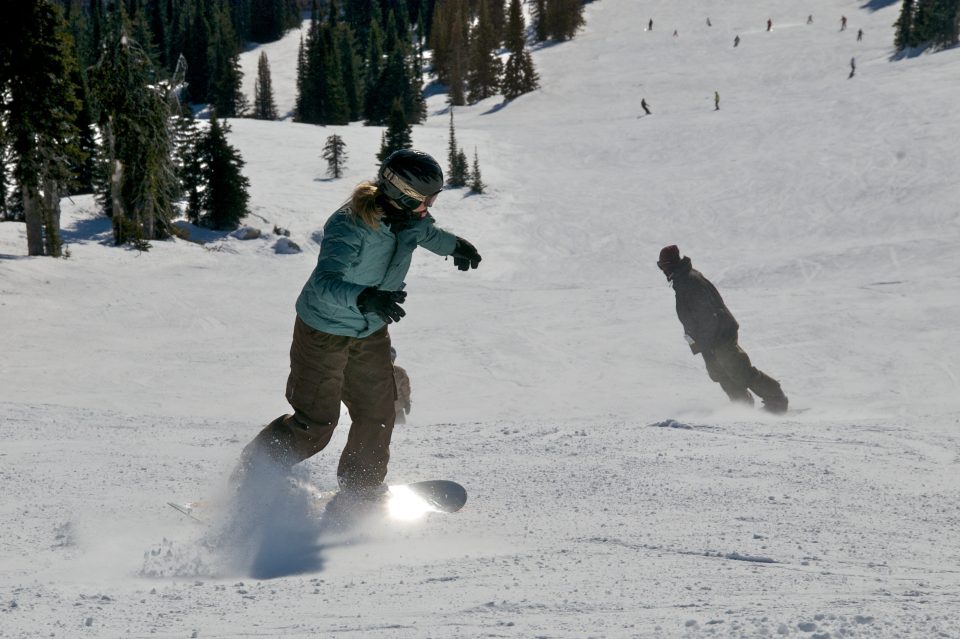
(613, 491)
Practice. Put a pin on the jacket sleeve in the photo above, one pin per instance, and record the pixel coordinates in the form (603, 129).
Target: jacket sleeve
(339, 249)
(435, 239)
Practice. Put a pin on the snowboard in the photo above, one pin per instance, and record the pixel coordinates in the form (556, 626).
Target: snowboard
(401, 501)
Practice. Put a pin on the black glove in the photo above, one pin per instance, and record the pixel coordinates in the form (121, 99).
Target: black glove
(465, 255)
(386, 304)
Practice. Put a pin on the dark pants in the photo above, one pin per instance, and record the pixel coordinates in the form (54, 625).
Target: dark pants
(325, 369)
(729, 365)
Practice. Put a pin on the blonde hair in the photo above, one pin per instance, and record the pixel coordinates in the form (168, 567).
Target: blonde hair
(363, 204)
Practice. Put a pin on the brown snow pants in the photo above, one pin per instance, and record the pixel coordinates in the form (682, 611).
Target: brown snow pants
(729, 365)
(325, 369)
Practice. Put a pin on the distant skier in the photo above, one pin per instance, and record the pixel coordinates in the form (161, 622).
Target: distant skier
(402, 381)
(843, 23)
(711, 330)
(341, 347)
(853, 67)
(650, 25)
(716, 100)
(708, 23)
(769, 24)
(675, 34)
(644, 106)
(810, 19)
(859, 35)
(736, 42)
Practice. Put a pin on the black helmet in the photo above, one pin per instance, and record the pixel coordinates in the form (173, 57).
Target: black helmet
(409, 177)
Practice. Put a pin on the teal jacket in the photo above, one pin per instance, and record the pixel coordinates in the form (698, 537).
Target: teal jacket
(354, 256)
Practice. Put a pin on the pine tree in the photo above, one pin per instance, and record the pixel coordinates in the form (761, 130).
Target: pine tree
(540, 20)
(195, 45)
(483, 76)
(945, 22)
(519, 75)
(457, 173)
(40, 106)
(398, 134)
(459, 45)
(301, 80)
(224, 200)
(322, 98)
(903, 37)
(264, 106)
(268, 20)
(335, 153)
(4, 158)
(929, 22)
(190, 166)
(239, 18)
(135, 128)
(226, 79)
(557, 19)
(350, 65)
(438, 41)
(476, 181)
(336, 109)
(449, 40)
(375, 109)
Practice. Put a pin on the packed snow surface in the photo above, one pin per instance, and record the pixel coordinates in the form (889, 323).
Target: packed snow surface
(613, 491)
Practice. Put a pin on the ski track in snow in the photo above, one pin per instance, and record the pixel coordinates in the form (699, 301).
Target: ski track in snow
(613, 492)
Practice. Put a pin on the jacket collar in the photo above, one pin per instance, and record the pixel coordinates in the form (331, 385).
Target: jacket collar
(682, 270)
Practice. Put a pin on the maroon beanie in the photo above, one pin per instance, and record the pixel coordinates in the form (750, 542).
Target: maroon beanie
(669, 258)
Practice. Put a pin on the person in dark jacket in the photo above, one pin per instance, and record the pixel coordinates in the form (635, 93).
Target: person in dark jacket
(341, 347)
(711, 330)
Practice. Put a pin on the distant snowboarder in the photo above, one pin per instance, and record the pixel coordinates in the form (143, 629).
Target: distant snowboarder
(736, 42)
(859, 35)
(843, 23)
(675, 34)
(769, 24)
(711, 330)
(810, 19)
(853, 67)
(644, 106)
(716, 100)
(708, 23)
(650, 25)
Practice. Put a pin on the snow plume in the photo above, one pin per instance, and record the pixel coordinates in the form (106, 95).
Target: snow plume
(271, 527)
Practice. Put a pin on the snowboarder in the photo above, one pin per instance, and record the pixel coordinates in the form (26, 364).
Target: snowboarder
(716, 100)
(402, 380)
(341, 347)
(843, 23)
(859, 35)
(711, 330)
(853, 67)
(644, 106)
(769, 24)
(736, 42)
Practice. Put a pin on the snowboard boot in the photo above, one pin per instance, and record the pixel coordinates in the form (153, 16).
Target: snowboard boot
(768, 389)
(777, 405)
